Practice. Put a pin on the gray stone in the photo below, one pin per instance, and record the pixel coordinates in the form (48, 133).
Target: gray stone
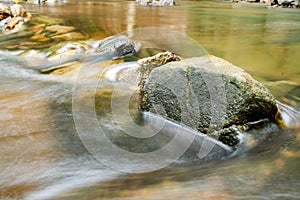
(114, 47)
(207, 93)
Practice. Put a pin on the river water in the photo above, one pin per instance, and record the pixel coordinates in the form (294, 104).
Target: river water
(42, 155)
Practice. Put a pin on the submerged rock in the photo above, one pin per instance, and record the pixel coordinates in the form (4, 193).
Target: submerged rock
(59, 29)
(208, 94)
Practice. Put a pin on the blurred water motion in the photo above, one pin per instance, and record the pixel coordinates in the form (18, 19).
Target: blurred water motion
(42, 156)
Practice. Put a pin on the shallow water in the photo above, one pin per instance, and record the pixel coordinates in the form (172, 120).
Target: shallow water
(43, 155)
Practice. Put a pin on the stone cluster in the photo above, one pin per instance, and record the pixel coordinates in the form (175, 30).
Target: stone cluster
(13, 16)
(155, 2)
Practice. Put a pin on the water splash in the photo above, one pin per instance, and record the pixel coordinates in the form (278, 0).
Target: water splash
(289, 115)
(112, 72)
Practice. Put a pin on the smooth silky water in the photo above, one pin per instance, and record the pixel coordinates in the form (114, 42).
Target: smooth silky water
(42, 156)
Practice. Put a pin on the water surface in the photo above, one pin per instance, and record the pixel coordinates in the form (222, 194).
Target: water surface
(42, 156)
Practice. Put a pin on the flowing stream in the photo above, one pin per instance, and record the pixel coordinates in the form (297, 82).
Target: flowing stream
(45, 119)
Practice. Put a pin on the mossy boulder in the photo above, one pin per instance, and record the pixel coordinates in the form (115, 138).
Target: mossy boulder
(208, 94)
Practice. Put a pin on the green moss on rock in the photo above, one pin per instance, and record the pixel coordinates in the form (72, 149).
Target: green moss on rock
(209, 94)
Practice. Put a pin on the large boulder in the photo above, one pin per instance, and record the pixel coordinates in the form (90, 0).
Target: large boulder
(208, 94)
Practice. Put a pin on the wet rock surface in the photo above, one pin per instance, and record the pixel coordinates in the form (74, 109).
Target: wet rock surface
(45, 32)
(208, 94)
(146, 65)
(67, 56)
(13, 17)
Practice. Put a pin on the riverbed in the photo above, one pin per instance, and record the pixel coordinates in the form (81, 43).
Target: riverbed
(42, 152)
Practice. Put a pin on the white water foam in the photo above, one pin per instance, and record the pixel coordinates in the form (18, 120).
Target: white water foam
(111, 73)
(289, 115)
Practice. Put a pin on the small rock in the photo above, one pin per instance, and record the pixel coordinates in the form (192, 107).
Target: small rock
(12, 23)
(4, 11)
(59, 29)
(149, 63)
(42, 37)
(17, 10)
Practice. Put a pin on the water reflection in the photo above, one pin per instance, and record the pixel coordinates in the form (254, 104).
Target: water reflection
(253, 38)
